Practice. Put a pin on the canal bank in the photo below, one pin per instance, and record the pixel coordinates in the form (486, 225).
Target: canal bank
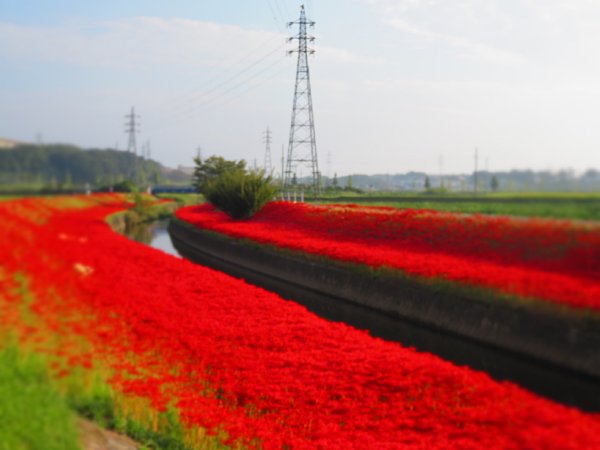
(552, 354)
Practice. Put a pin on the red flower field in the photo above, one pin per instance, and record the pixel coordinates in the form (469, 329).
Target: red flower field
(243, 363)
(557, 261)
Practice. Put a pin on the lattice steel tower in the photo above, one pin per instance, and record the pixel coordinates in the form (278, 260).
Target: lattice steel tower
(267, 140)
(302, 148)
(131, 128)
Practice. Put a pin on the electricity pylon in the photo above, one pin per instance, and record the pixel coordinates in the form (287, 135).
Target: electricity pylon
(475, 177)
(302, 148)
(267, 141)
(131, 128)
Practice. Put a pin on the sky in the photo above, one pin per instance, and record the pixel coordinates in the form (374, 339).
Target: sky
(397, 85)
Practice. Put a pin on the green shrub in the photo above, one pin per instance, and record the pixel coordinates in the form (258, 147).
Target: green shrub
(240, 194)
(125, 186)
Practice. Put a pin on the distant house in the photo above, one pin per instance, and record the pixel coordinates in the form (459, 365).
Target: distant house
(186, 170)
(8, 143)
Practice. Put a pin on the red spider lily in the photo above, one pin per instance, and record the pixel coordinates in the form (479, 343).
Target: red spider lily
(557, 261)
(241, 361)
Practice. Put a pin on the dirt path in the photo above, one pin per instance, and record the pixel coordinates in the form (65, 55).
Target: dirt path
(95, 438)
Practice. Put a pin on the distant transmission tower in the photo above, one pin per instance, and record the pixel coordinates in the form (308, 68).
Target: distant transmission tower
(302, 148)
(475, 178)
(145, 153)
(267, 140)
(131, 128)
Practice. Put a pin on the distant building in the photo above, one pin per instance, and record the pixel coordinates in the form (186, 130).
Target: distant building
(9, 143)
(186, 169)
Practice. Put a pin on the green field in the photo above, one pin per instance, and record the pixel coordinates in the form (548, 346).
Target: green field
(575, 206)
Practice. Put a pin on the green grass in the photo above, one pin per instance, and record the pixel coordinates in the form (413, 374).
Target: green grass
(545, 195)
(97, 403)
(39, 410)
(575, 206)
(5, 198)
(33, 415)
(184, 199)
(541, 209)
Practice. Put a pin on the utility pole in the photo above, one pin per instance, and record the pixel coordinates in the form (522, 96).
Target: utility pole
(267, 141)
(302, 147)
(282, 167)
(132, 127)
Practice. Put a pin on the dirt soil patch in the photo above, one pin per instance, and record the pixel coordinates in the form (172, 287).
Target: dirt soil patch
(95, 438)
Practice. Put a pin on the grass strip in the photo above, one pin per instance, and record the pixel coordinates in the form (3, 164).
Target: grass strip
(33, 414)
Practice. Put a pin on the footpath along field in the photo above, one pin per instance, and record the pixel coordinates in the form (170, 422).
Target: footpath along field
(171, 343)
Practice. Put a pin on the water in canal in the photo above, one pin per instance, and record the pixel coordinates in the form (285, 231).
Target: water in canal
(155, 235)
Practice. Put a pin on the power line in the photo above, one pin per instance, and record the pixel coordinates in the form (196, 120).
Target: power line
(251, 87)
(310, 7)
(222, 95)
(246, 91)
(277, 19)
(229, 66)
(285, 8)
(221, 100)
(200, 95)
(281, 16)
(225, 87)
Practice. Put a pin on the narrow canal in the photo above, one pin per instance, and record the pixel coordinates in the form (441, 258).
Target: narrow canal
(560, 385)
(155, 235)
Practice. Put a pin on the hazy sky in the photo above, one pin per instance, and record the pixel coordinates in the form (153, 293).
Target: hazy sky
(397, 84)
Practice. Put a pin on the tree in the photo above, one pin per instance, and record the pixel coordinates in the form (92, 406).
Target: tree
(335, 180)
(427, 183)
(211, 168)
(349, 182)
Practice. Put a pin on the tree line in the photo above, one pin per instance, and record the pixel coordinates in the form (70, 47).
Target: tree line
(61, 166)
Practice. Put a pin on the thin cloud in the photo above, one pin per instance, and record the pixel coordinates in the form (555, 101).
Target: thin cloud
(336, 55)
(149, 41)
(145, 41)
(468, 49)
(459, 25)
